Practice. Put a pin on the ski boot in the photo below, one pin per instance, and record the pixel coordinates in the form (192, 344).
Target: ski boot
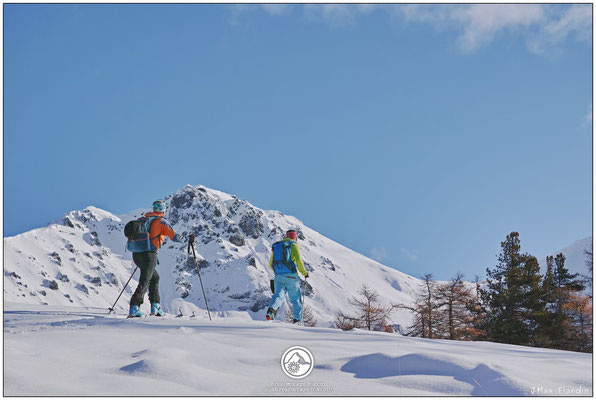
(156, 310)
(295, 320)
(135, 311)
(270, 314)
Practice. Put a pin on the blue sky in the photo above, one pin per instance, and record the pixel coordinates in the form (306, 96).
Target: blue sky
(418, 135)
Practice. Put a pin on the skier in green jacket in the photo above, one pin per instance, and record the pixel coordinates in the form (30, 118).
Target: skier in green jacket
(286, 263)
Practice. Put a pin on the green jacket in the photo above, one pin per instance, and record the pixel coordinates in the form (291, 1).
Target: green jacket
(294, 255)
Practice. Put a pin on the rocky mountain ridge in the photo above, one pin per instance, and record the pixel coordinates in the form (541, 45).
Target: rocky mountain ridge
(80, 259)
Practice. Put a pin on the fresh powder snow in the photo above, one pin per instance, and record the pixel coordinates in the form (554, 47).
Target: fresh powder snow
(77, 351)
(60, 340)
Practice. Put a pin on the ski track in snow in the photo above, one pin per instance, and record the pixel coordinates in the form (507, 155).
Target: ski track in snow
(76, 351)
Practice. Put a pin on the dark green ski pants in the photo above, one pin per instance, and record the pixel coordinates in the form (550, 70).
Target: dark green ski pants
(149, 278)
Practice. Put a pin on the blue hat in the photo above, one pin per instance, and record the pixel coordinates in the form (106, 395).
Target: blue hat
(159, 206)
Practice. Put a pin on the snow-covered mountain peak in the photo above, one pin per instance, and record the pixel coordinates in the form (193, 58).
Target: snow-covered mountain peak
(233, 245)
(207, 212)
(79, 218)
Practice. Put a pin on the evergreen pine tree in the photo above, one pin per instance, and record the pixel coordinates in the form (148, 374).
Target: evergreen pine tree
(565, 279)
(562, 331)
(548, 324)
(532, 303)
(513, 295)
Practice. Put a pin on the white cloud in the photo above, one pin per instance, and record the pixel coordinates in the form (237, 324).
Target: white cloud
(479, 24)
(575, 22)
(544, 27)
(379, 253)
(337, 14)
(482, 22)
(577, 19)
(412, 255)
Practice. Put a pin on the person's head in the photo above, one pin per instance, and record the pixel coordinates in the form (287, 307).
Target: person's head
(159, 206)
(291, 234)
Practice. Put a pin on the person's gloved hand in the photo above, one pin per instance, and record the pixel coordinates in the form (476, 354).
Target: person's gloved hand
(306, 276)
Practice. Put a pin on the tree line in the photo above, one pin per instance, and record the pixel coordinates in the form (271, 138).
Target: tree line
(515, 305)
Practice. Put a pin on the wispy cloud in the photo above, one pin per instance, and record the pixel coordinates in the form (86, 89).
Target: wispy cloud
(477, 25)
(412, 255)
(337, 14)
(543, 27)
(238, 11)
(379, 253)
(483, 22)
(575, 22)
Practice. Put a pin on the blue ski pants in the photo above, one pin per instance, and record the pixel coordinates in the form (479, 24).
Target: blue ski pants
(287, 283)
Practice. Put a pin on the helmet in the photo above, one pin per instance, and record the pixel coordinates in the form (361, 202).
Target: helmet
(159, 206)
(291, 234)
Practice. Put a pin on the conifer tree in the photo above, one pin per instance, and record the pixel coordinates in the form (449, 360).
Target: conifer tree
(561, 328)
(513, 295)
(565, 279)
(532, 303)
(548, 324)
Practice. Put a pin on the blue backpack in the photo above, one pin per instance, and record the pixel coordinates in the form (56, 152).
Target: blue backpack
(137, 233)
(282, 260)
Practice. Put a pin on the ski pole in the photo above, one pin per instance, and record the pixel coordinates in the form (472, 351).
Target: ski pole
(191, 245)
(303, 290)
(112, 308)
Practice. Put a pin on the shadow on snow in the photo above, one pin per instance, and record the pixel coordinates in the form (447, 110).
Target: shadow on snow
(485, 380)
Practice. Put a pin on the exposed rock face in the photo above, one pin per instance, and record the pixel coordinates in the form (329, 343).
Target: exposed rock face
(81, 257)
(251, 224)
(184, 198)
(237, 239)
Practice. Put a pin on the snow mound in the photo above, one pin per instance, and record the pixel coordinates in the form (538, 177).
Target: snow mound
(475, 379)
(194, 357)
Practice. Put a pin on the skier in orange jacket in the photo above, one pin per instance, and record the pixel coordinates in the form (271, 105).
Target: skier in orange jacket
(147, 261)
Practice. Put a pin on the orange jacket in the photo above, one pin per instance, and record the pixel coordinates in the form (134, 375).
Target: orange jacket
(160, 227)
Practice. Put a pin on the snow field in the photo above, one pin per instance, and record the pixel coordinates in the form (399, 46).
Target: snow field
(82, 351)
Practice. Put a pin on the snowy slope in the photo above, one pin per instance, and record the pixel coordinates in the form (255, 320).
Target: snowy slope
(233, 245)
(66, 264)
(69, 351)
(575, 256)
